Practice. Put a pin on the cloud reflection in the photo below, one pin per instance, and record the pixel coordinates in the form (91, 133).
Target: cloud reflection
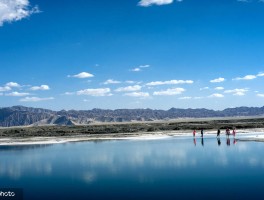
(89, 161)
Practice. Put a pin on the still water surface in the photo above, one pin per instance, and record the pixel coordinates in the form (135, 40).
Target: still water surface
(171, 168)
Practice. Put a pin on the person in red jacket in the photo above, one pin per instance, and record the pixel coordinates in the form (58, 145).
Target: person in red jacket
(234, 132)
(194, 132)
(227, 131)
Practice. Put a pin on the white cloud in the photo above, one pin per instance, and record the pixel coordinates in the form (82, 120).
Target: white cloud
(17, 94)
(4, 89)
(139, 68)
(111, 81)
(247, 77)
(35, 99)
(216, 95)
(82, 75)
(146, 3)
(185, 98)
(130, 82)
(217, 80)
(171, 82)
(219, 88)
(137, 94)
(69, 93)
(15, 10)
(133, 82)
(95, 92)
(136, 69)
(144, 66)
(129, 88)
(12, 84)
(42, 87)
(260, 95)
(261, 73)
(237, 92)
(169, 92)
(204, 88)
(198, 97)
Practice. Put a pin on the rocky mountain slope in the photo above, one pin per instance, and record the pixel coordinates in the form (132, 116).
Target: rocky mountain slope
(22, 116)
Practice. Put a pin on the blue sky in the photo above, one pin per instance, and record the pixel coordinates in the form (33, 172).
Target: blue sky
(84, 54)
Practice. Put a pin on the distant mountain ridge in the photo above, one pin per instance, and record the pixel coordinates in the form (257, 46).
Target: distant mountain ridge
(23, 116)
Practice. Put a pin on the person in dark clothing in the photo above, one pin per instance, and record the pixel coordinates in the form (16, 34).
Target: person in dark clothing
(202, 132)
(218, 133)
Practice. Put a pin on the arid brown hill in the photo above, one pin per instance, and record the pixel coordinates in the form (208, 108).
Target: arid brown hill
(21, 116)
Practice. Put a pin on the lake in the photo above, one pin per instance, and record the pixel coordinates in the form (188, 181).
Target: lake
(169, 168)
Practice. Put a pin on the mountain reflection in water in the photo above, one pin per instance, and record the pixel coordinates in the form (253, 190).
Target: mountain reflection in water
(136, 169)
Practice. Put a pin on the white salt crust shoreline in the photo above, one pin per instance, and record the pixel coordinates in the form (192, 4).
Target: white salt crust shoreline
(243, 135)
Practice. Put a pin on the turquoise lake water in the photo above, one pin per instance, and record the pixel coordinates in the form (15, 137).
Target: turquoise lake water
(171, 168)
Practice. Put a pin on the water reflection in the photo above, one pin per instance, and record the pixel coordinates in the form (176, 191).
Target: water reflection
(227, 141)
(202, 141)
(219, 141)
(23, 147)
(168, 163)
(234, 141)
(112, 156)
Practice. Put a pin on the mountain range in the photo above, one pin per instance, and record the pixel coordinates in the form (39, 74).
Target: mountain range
(24, 116)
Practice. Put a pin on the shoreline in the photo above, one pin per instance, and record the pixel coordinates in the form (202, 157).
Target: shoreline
(256, 134)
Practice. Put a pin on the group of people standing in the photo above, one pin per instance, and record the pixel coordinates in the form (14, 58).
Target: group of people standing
(228, 132)
(194, 132)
